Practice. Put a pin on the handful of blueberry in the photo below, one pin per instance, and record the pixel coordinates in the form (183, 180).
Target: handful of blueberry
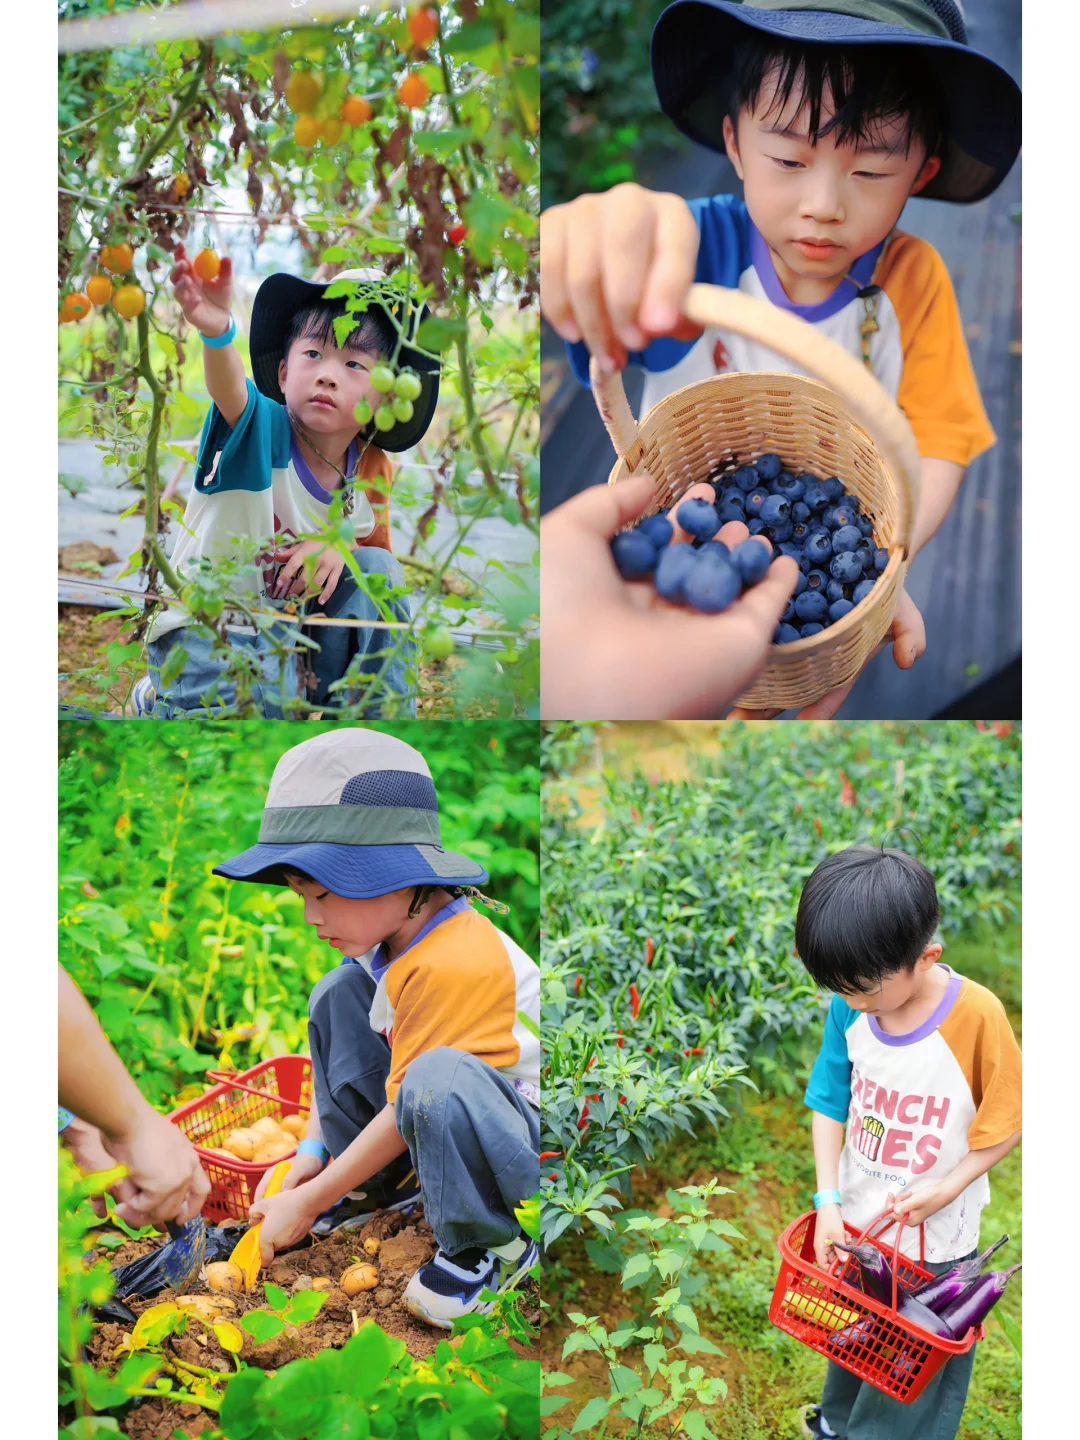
(812, 520)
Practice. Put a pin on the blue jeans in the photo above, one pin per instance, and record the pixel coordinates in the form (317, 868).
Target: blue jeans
(856, 1411)
(473, 1141)
(204, 687)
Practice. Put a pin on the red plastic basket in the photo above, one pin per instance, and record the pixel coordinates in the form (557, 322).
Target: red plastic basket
(276, 1088)
(893, 1355)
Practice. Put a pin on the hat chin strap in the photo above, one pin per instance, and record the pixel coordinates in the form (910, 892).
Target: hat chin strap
(346, 480)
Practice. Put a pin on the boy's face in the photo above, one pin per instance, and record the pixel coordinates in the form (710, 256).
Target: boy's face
(897, 989)
(352, 926)
(819, 207)
(322, 384)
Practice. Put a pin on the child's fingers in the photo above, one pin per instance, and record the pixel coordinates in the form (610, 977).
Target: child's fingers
(909, 632)
(674, 262)
(734, 532)
(585, 290)
(554, 297)
(629, 233)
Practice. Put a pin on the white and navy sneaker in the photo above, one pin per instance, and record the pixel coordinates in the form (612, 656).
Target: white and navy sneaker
(450, 1286)
(814, 1424)
(143, 696)
(357, 1207)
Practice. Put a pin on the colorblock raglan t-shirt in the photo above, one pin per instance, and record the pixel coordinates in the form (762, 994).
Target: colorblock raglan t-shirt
(461, 982)
(916, 1104)
(252, 483)
(918, 353)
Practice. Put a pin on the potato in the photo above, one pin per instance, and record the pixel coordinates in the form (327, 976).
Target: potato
(322, 1282)
(266, 1128)
(359, 1277)
(294, 1125)
(207, 1307)
(240, 1143)
(272, 1150)
(224, 1275)
(371, 1246)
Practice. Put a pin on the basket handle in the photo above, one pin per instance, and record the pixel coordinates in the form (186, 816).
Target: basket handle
(890, 1221)
(228, 1077)
(713, 306)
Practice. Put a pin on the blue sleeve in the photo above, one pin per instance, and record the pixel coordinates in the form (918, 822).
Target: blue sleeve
(829, 1090)
(723, 255)
(245, 456)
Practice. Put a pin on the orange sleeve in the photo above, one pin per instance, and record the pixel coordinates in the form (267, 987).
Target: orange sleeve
(377, 472)
(938, 390)
(980, 1036)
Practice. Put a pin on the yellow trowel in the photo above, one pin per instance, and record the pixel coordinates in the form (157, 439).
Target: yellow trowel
(248, 1252)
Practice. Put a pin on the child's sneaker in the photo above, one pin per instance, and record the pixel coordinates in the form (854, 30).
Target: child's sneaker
(448, 1287)
(143, 696)
(814, 1425)
(356, 1209)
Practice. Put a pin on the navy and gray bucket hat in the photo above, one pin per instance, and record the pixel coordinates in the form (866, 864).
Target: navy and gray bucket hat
(693, 46)
(357, 811)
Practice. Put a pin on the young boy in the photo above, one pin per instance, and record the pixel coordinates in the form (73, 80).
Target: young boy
(832, 114)
(417, 1050)
(923, 1068)
(272, 456)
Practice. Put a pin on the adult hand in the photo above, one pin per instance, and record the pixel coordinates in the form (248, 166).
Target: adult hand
(828, 1227)
(301, 1168)
(285, 1218)
(917, 1207)
(614, 648)
(88, 1150)
(616, 270)
(167, 1181)
(205, 303)
(292, 577)
(908, 640)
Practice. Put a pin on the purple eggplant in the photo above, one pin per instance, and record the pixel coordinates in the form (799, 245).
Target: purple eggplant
(976, 1302)
(874, 1271)
(939, 1293)
(860, 1333)
(916, 1313)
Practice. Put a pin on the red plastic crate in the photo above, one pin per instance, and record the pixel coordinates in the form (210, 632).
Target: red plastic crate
(277, 1088)
(896, 1357)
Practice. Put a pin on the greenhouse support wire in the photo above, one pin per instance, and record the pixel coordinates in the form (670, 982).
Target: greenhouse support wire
(199, 19)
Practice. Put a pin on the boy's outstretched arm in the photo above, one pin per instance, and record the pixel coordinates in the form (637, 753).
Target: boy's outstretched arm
(205, 304)
(940, 483)
(828, 1135)
(927, 1200)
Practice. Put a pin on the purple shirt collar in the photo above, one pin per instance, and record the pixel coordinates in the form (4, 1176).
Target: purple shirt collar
(381, 963)
(948, 1000)
(845, 292)
(303, 469)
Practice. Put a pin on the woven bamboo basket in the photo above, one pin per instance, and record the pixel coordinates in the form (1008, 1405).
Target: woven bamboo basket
(841, 423)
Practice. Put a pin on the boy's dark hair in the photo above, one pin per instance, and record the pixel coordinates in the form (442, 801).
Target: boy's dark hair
(865, 913)
(374, 332)
(867, 84)
(421, 893)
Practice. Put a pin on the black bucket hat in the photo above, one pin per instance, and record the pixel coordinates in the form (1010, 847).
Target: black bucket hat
(278, 299)
(694, 40)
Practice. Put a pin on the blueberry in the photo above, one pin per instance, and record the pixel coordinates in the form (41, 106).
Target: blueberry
(789, 612)
(729, 510)
(755, 500)
(768, 466)
(785, 634)
(816, 496)
(813, 628)
(862, 589)
(659, 529)
(800, 512)
(800, 583)
(790, 485)
(634, 555)
(788, 547)
(816, 580)
(818, 545)
(756, 526)
(745, 477)
(780, 532)
(835, 591)
(751, 560)
(865, 524)
(833, 488)
(714, 547)
(828, 518)
(805, 563)
(850, 502)
(881, 559)
(712, 585)
(839, 608)
(698, 518)
(846, 567)
(845, 537)
(809, 478)
(776, 510)
(733, 496)
(799, 532)
(672, 570)
(811, 605)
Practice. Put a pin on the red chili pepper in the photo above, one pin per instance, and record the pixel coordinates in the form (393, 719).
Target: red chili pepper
(622, 1099)
(619, 1041)
(635, 1002)
(553, 1176)
(634, 814)
(584, 1110)
(817, 824)
(847, 794)
(731, 938)
(591, 1063)
(549, 1154)
(650, 951)
(696, 1051)
(981, 725)
(583, 1123)
(595, 1099)
(648, 1049)
(456, 234)
(1002, 728)
(577, 983)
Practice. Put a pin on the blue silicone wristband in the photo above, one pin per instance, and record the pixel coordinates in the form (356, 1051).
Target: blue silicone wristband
(218, 342)
(826, 1197)
(313, 1147)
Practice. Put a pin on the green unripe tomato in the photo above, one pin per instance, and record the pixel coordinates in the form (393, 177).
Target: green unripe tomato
(438, 643)
(407, 385)
(363, 414)
(382, 379)
(403, 409)
(212, 605)
(134, 461)
(384, 418)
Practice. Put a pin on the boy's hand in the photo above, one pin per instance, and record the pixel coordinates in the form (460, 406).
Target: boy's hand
(301, 1168)
(829, 1227)
(615, 648)
(286, 1218)
(917, 1207)
(616, 269)
(292, 577)
(205, 303)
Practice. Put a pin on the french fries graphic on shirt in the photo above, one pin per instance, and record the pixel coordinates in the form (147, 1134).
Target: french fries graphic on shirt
(867, 1141)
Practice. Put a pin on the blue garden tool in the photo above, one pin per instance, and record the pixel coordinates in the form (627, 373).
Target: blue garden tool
(174, 1266)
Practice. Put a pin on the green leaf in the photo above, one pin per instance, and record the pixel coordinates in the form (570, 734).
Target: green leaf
(652, 1355)
(591, 1414)
(276, 1297)
(261, 1325)
(1013, 1332)
(304, 1306)
(636, 1267)
(694, 1423)
(627, 1381)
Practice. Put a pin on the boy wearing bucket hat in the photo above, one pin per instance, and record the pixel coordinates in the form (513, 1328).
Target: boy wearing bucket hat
(274, 454)
(833, 112)
(420, 1061)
